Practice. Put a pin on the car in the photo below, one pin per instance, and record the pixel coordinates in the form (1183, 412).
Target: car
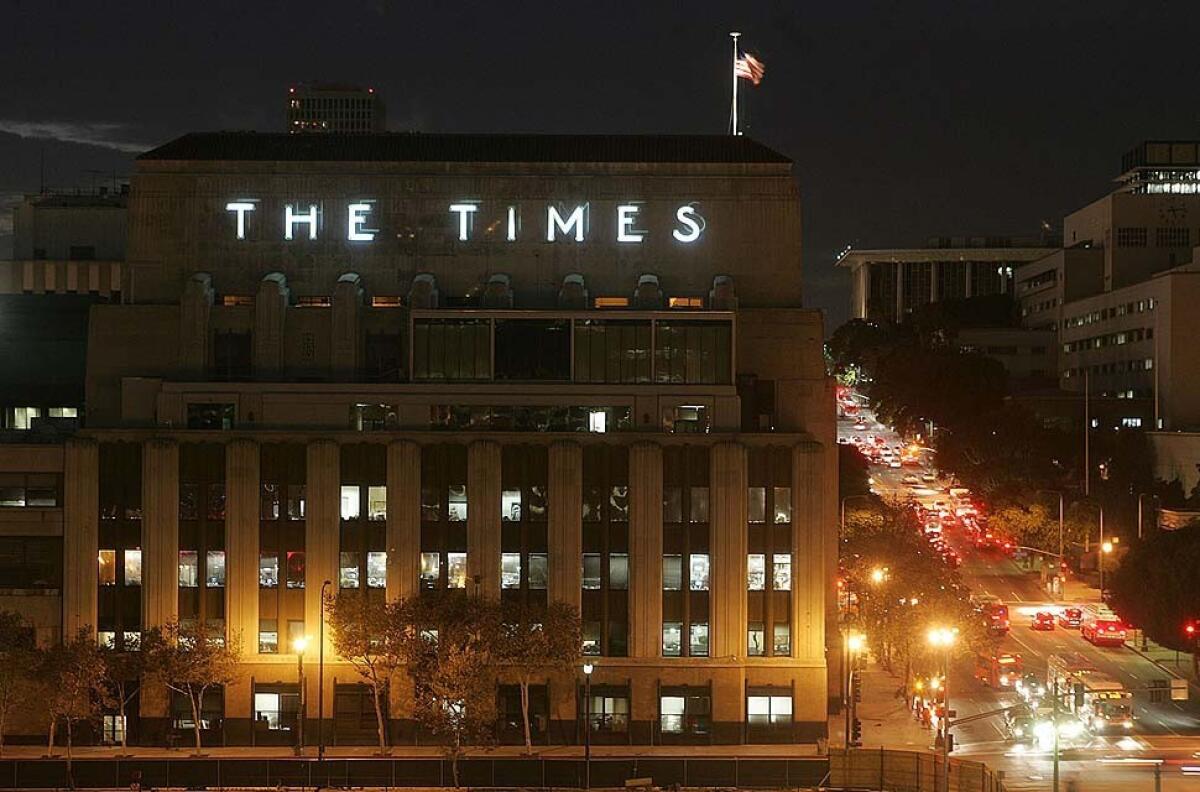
(911, 480)
(1071, 618)
(860, 426)
(1042, 620)
(929, 477)
(893, 463)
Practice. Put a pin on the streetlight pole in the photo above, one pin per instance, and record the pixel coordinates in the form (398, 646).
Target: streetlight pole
(300, 644)
(587, 725)
(1060, 527)
(943, 638)
(321, 676)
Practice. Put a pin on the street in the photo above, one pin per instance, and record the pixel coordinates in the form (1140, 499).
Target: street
(1167, 731)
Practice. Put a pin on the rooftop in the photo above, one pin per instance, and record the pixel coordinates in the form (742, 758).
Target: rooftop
(422, 147)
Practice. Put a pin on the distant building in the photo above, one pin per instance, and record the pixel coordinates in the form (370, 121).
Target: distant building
(333, 107)
(889, 284)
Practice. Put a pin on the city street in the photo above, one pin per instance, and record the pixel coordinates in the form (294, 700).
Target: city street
(1168, 731)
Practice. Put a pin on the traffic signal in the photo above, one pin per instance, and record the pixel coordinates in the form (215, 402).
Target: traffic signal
(1190, 629)
(856, 732)
(856, 688)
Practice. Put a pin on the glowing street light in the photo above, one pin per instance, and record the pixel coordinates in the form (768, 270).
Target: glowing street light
(299, 644)
(879, 574)
(944, 638)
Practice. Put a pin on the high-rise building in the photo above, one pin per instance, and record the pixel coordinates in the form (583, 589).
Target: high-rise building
(334, 107)
(539, 368)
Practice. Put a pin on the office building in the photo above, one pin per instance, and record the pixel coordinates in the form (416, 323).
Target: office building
(535, 367)
(334, 108)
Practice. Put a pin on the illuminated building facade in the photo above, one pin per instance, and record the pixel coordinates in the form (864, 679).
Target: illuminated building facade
(538, 368)
(315, 108)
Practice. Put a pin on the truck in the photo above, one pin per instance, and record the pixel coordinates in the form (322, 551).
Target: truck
(998, 669)
(1100, 626)
(993, 612)
(1102, 703)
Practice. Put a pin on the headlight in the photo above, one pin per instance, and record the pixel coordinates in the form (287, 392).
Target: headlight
(1128, 724)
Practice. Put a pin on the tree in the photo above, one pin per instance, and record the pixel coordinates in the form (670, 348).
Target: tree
(537, 639)
(190, 658)
(852, 472)
(17, 654)
(123, 672)
(447, 641)
(365, 635)
(72, 685)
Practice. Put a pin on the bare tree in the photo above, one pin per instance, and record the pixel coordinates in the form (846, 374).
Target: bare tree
(191, 659)
(364, 635)
(447, 642)
(536, 641)
(17, 655)
(123, 672)
(72, 689)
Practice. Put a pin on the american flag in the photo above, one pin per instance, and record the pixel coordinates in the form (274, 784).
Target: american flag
(748, 67)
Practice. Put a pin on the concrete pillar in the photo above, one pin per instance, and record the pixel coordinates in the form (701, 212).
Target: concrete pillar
(483, 517)
(322, 533)
(967, 268)
(565, 535)
(645, 550)
(728, 533)
(403, 519)
(194, 309)
(900, 291)
(160, 532)
(241, 542)
(346, 327)
(811, 585)
(81, 542)
(934, 269)
(270, 309)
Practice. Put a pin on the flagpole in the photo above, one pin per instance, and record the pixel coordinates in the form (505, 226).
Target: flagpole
(733, 67)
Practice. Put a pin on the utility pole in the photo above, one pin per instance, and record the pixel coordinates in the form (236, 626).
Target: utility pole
(1054, 720)
(1087, 431)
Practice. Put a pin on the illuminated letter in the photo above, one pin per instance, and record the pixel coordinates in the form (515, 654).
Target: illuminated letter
(512, 224)
(626, 215)
(241, 208)
(290, 219)
(574, 220)
(465, 210)
(694, 222)
(358, 216)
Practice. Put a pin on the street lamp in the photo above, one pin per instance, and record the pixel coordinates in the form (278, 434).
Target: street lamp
(321, 674)
(1105, 549)
(855, 643)
(944, 638)
(878, 575)
(588, 668)
(299, 644)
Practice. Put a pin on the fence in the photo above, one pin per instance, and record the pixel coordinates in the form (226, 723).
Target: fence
(908, 771)
(385, 772)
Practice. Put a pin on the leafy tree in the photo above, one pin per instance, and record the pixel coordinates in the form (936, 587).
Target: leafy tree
(366, 635)
(537, 640)
(123, 672)
(448, 641)
(852, 472)
(17, 656)
(1005, 453)
(72, 688)
(191, 658)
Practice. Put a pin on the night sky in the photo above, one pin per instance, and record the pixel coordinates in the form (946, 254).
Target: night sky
(905, 119)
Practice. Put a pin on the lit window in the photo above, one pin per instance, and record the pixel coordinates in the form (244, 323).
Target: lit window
(591, 571)
(268, 570)
(757, 505)
(768, 709)
(377, 569)
(699, 639)
(431, 567)
(189, 572)
(106, 639)
(295, 569)
(672, 714)
(698, 577)
(783, 640)
(754, 642)
(377, 503)
(456, 570)
(781, 577)
(618, 571)
(672, 637)
(597, 421)
(457, 506)
(133, 567)
(268, 636)
(510, 506)
(685, 302)
(214, 568)
(783, 505)
(756, 571)
(510, 570)
(348, 571)
(611, 302)
(350, 502)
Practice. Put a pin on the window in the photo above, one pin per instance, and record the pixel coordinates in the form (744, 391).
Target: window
(783, 505)
(210, 416)
(692, 352)
(618, 571)
(133, 566)
(765, 709)
(672, 638)
(510, 506)
(698, 578)
(510, 570)
(348, 570)
(754, 644)
(781, 579)
(672, 573)
(457, 503)
(608, 712)
(533, 349)
(757, 504)
(214, 568)
(783, 640)
(29, 490)
(377, 569)
(684, 712)
(268, 570)
(268, 636)
(295, 569)
(769, 553)
(591, 571)
(456, 570)
(539, 570)
(672, 505)
(350, 502)
(605, 540)
(451, 350)
(699, 640)
(377, 503)
(1131, 237)
(699, 505)
(189, 572)
(756, 571)
(430, 570)
(31, 562)
(612, 351)
(1131, 423)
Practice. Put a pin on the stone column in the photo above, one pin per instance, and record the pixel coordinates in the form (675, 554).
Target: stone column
(403, 519)
(345, 325)
(645, 550)
(565, 535)
(322, 534)
(160, 532)
(728, 534)
(270, 310)
(811, 585)
(81, 537)
(241, 542)
(483, 517)
(195, 307)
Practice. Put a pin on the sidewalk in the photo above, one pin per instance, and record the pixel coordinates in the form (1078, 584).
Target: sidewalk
(886, 719)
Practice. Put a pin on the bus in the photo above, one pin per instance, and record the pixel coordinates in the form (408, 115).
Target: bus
(993, 612)
(998, 669)
(1100, 626)
(1102, 703)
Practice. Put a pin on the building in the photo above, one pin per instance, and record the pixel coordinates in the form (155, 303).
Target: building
(540, 367)
(334, 107)
(889, 284)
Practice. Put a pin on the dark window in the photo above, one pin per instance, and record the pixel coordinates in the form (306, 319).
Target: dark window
(384, 360)
(451, 350)
(769, 559)
(610, 351)
(686, 561)
(443, 517)
(202, 571)
(524, 562)
(362, 557)
(31, 562)
(210, 416)
(119, 598)
(605, 610)
(693, 353)
(231, 357)
(29, 490)
(533, 349)
(281, 568)
(81, 253)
